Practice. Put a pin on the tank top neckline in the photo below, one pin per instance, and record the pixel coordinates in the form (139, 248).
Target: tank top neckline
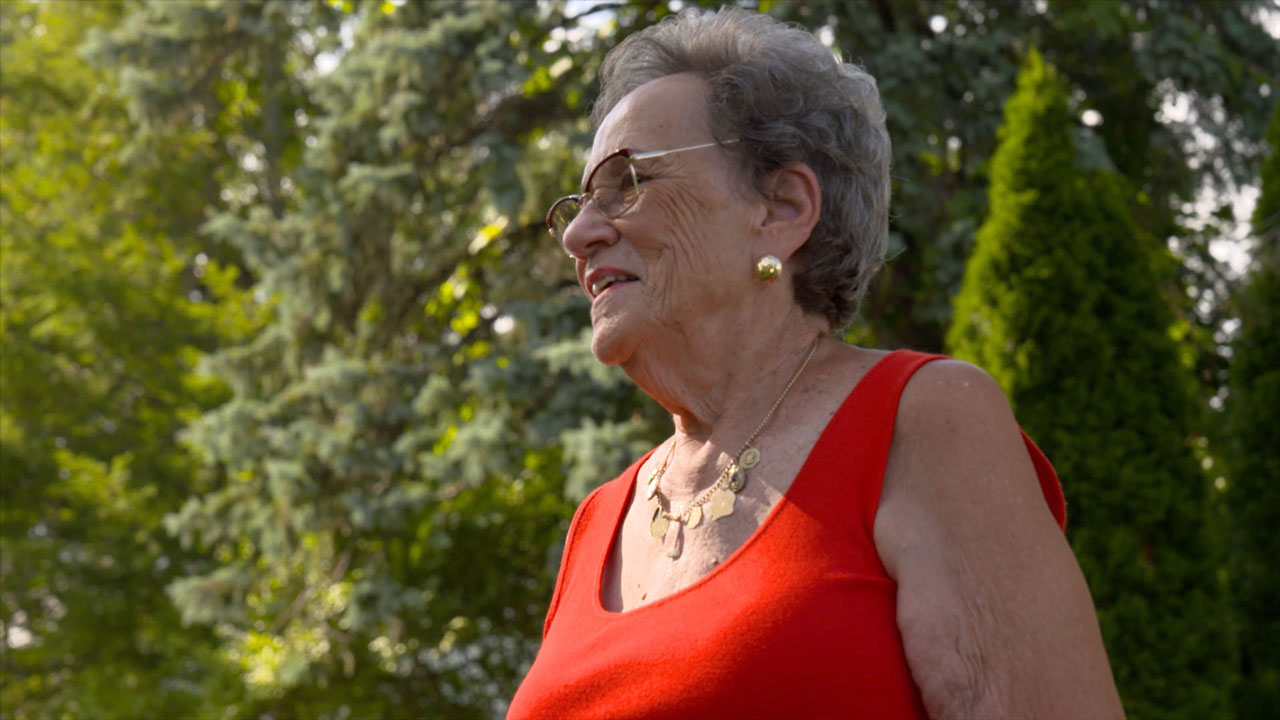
(619, 509)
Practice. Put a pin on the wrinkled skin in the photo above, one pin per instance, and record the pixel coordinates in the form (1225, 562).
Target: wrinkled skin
(697, 311)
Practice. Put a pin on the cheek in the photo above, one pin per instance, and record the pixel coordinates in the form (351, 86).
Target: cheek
(687, 244)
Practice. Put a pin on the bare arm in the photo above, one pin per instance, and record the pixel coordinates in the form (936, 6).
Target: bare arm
(995, 615)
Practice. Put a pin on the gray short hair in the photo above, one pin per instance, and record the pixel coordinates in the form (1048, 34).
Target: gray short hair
(792, 100)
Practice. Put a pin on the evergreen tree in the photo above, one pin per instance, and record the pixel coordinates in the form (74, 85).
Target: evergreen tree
(1061, 303)
(389, 483)
(1253, 413)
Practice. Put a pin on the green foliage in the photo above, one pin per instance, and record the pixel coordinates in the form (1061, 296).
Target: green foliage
(945, 70)
(1266, 215)
(1253, 427)
(388, 483)
(284, 335)
(1061, 302)
(102, 327)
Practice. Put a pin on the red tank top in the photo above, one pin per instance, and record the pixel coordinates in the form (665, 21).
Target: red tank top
(798, 622)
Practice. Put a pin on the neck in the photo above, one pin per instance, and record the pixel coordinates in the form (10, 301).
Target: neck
(719, 383)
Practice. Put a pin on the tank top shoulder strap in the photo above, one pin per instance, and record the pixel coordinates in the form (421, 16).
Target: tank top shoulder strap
(839, 484)
(863, 427)
(875, 414)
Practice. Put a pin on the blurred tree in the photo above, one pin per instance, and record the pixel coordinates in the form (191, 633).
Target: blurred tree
(389, 471)
(1062, 303)
(1253, 451)
(102, 322)
(945, 70)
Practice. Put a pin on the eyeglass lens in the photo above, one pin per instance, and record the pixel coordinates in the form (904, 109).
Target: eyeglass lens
(612, 186)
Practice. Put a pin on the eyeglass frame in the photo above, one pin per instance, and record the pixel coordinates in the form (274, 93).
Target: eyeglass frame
(590, 195)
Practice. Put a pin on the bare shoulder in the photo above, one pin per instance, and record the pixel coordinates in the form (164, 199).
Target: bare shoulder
(948, 390)
(995, 615)
(955, 436)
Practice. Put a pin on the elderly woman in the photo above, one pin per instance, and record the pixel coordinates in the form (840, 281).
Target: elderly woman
(830, 531)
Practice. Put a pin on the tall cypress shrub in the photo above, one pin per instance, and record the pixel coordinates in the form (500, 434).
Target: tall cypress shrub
(1061, 303)
(1253, 424)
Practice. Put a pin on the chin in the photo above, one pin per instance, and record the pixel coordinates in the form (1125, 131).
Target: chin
(612, 345)
(607, 351)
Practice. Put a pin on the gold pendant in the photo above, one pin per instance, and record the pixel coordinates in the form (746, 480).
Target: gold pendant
(651, 487)
(738, 480)
(695, 517)
(749, 458)
(658, 526)
(721, 504)
(677, 543)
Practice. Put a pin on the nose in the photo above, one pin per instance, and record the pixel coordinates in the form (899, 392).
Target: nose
(588, 233)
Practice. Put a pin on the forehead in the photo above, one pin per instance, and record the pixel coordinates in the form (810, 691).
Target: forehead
(661, 114)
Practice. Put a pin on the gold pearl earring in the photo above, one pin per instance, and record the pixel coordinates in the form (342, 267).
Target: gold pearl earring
(768, 268)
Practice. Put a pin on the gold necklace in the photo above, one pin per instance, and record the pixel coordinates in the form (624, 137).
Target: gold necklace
(723, 493)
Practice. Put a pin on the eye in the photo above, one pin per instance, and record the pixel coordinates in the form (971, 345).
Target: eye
(622, 182)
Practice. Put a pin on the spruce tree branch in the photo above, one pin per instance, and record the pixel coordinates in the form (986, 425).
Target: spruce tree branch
(339, 568)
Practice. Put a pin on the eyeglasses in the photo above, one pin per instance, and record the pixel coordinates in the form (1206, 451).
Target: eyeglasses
(616, 188)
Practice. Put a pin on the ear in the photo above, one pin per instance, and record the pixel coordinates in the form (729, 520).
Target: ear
(793, 204)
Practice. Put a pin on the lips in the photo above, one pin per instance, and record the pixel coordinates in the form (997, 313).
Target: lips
(600, 280)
